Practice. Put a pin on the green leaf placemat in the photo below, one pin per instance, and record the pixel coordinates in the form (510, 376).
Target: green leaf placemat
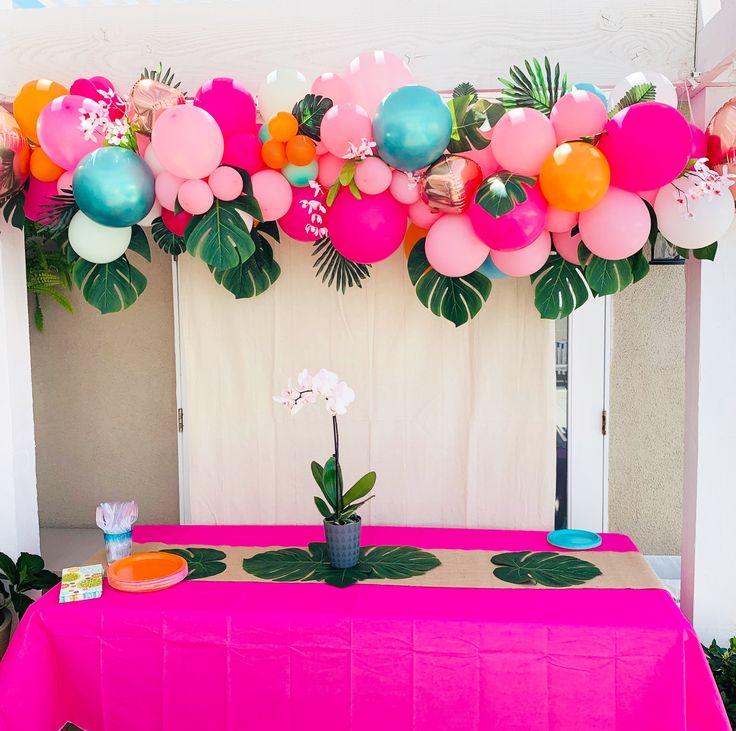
(543, 567)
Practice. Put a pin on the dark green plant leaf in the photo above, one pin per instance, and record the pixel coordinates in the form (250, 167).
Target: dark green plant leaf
(639, 266)
(21, 602)
(139, 243)
(323, 508)
(158, 74)
(202, 562)
(317, 473)
(360, 489)
(345, 577)
(309, 112)
(42, 580)
(347, 512)
(397, 562)
(287, 564)
(13, 211)
(8, 569)
(722, 662)
(57, 214)
(465, 88)
(636, 94)
(608, 277)
(536, 87)
(335, 268)
(559, 288)
(468, 115)
(329, 482)
(29, 565)
(543, 567)
(248, 204)
(704, 253)
(167, 240)
(500, 193)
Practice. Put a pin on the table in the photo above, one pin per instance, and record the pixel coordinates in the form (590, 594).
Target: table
(270, 656)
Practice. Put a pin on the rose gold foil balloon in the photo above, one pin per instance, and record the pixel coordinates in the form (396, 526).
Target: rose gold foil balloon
(148, 98)
(449, 184)
(15, 155)
(721, 139)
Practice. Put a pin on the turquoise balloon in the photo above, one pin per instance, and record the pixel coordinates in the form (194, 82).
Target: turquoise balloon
(412, 127)
(490, 270)
(594, 89)
(263, 134)
(114, 187)
(300, 175)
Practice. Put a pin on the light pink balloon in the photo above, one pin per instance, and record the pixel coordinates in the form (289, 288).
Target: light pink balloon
(273, 193)
(617, 227)
(167, 188)
(403, 189)
(343, 125)
(484, 158)
(225, 183)
(333, 86)
(453, 248)
(152, 161)
(65, 181)
(329, 169)
(579, 113)
(373, 75)
(558, 221)
(372, 176)
(522, 140)
(306, 218)
(195, 197)
(566, 245)
(526, 261)
(422, 215)
(187, 141)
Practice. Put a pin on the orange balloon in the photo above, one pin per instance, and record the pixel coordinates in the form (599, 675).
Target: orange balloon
(413, 234)
(274, 154)
(283, 127)
(31, 99)
(43, 167)
(575, 176)
(300, 150)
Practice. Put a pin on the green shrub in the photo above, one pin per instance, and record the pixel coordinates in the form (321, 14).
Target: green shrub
(722, 661)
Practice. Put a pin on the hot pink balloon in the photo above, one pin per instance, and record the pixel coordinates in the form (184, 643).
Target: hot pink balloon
(699, 147)
(648, 195)
(332, 86)
(647, 145)
(422, 215)
(515, 229)
(329, 169)
(195, 197)
(372, 176)
(306, 218)
(60, 133)
(167, 188)
(273, 193)
(453, 248)
(526, 261)
(98, 89)
(522, 140)
(618, 226)
(484, 158)
(243, 150)
(343, 125)
(579, 113)
(225, 183)
(177, 224)
(558, 221)
(187, 141)
(65, 181)
(403, 188)
(230, 103)
(373, 75)
(566, 245)
(366, 230)
(38, 196)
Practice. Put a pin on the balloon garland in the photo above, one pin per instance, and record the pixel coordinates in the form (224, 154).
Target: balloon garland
(545, 182)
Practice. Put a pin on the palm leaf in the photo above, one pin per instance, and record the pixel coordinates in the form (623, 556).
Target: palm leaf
(158, 74)
(166, 239)
(534, 86)
(310, 112)
(335, 268)
(636, 94)
(47, 272)
(57, 214)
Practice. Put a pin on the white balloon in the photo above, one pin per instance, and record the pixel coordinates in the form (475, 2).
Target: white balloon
(150, 157)
(96, 243)
(695, 224)
(152, 215)
(664, 91)
(281, 90)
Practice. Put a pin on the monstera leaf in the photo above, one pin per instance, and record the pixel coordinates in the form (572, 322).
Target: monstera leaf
(457, 299)
(545, 567)
(705, 253)
(500, 193)
(397, 562)
(202, 562)
(13, 211)
(468, 115)
(167, 240)
(608, 277)
(289, 564)
(639, 266)
(636, 94)
(559, 288)
(310, 112)
(536, 87)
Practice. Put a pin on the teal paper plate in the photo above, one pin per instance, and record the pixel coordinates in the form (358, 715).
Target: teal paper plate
(577, 540)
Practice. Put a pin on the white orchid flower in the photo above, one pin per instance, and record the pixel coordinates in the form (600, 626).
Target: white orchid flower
(323, 382)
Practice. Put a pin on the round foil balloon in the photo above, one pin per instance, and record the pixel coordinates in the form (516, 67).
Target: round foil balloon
(147, 100)
(574, 177)
(450, 183)
(14, 155)
(96, 243)
(721, 138)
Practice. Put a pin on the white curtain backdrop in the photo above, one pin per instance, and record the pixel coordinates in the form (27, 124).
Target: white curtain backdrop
(459, 423)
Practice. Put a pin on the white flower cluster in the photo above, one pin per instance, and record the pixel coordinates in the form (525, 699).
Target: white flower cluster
(316, 210)
(702, 183)
(310, 388)
(414, 179)
(363, 150)
(98, 121)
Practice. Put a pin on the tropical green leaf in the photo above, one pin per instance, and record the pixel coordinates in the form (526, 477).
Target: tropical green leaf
(40, 580)
(329, 482)
(559, 288)
(8, 569)
(248, 204)
(500, 193)
(640, 93)
(544, 567)
(139, 243)
(347, 172)
(309, 112)
(468, 116)
(347, 512)
(323, 508)
(13, 211)
(58, 213)
(465, 88)
(165, 239)
(639, 266)
(158, 74)
(346, 577)
(535, 87)
(608, 277)
(360, 489)
(202, 562)
(337, 269)
(21, 602)
(109, 287)
(287, 564)
(704, 253)
(397, 562)
(317, 472)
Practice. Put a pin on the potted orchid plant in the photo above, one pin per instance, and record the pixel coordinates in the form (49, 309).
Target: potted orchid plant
(337, 507)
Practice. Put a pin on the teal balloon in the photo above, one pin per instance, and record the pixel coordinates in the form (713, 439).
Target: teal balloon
(412, 127)
(114, 187)
(490, 270)
(263, 134)
(300, 175)
(593, 89)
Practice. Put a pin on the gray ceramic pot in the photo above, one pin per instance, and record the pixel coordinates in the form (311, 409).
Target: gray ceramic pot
(343, 543)
(5, 625)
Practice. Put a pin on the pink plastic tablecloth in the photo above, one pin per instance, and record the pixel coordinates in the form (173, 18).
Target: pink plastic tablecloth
(267, 657)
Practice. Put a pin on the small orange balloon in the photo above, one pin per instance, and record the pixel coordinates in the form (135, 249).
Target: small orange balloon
(575, 177)
(31, 99)
(412, 235)
(300, 150)
(273, 153)
(43, 168)
(283, 127)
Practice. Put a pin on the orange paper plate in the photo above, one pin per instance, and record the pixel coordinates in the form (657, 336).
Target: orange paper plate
(146, 567)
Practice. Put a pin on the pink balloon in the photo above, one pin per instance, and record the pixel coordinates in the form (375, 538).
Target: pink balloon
(526, 261)
(306, 218)
(150, 157)
(230, 103)
(243, 150)
(167, 188)
(522, 140)
(579, 113)
(143, 142)
(367, 230)
(699, 146)
(333, 86)
(343, 125)
(195, 197)
(484, 158)
(65, 181)
(618, 226)
(403, 189)
(515, 229)
(187, 141)
(225, 183)
(566, 245)
(373, 75)
(648, 195)
(177, 224)
(60, 133)
(273, 193)
(647, 145)
(422, 215)
(329, 169)
(558, 220)
(38, 195)
(372, 176)
(453, 248)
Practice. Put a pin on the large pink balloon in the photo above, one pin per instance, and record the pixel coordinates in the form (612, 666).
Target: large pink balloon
(422, 215)
(60, 133)
(515, 229)
(343, 125)
(453, 248)
(167, 188)
(366, 230)
(373, 75)
(618, 226)
(243, 150)
(273, 193)
(567, 245)
(332, 86)
(38, 196)
(230, 103)
(484, 158)
(526, 261)
(329, 169)
(187, 141)
(522, 140)
(306, 217)
(372, 176)
(579, 113)
(558, 221)
(647, 145)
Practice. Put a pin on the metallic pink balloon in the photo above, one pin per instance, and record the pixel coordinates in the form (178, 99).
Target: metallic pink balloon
(720, 139)
(147, 100)
(15, 155)
(449, 184)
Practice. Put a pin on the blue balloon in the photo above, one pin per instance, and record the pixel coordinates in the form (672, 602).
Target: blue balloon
(595, 90)
(490, 270)
(300, 175)
(412, 127)
(114, 187)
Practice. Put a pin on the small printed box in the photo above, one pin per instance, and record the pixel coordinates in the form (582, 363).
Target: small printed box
(81, 582)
